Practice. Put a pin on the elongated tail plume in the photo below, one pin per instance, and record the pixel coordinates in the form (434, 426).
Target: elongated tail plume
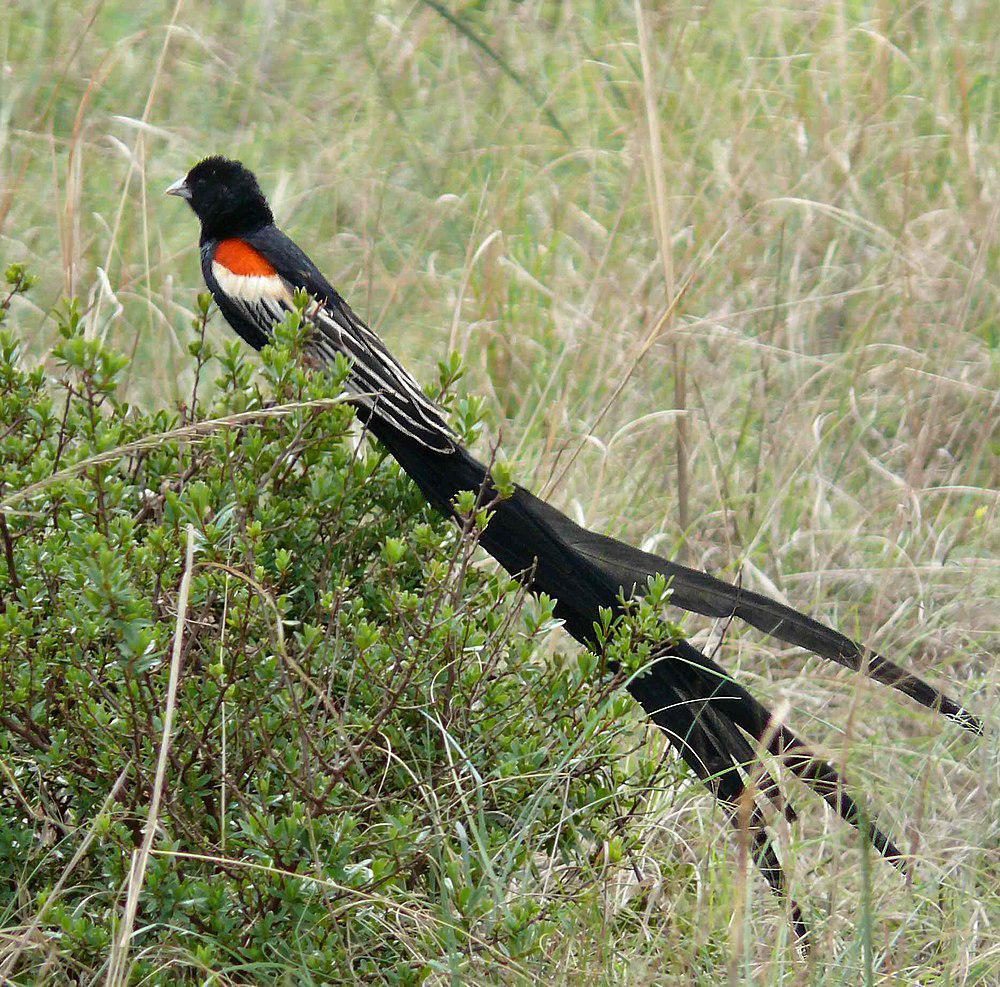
(253, 269)
(716, 725)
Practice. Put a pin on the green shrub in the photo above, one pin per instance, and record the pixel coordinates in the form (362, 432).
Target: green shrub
(375, 766)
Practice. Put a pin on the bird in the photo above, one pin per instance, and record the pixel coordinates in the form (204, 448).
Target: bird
(254, 272)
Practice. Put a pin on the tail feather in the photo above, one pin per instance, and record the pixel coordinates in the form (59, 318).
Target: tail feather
(715, 749)
(823, 779)
(710, 719)
(584, 571)
(817, 774)
(698, 592)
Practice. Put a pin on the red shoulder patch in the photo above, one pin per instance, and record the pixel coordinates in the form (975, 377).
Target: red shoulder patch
(241, 258)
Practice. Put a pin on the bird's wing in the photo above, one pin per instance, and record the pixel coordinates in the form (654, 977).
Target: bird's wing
(384, 388)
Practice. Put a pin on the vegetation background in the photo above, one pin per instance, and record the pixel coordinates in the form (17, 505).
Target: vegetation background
(772, 228)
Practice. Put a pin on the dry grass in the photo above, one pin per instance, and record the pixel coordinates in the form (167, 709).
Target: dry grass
(809, 221)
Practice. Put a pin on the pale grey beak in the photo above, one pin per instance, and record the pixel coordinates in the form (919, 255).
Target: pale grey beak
(179, 188)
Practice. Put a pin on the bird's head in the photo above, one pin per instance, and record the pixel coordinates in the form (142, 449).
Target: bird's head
(225, 196)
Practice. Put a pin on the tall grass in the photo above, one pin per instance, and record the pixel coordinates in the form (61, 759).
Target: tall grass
(797, 203)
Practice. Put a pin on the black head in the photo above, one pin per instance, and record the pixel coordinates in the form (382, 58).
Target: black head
(225, 197)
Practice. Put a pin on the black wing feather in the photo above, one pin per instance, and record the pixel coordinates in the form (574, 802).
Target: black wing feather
(387, 390)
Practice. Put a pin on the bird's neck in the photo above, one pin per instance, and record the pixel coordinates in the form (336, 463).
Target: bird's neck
(237, 226)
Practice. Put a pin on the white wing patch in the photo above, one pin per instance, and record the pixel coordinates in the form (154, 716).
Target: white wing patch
(252, 289)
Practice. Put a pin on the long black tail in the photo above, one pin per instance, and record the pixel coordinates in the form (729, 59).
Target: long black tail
(716, 725)
(628, 569)
(712, 721)
(701, 593)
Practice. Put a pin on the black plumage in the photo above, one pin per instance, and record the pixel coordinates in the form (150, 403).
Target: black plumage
(711, 720)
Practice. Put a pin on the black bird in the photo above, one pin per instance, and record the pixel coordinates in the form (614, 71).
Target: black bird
(253, 269)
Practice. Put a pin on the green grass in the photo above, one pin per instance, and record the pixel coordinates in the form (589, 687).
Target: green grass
(821, 254)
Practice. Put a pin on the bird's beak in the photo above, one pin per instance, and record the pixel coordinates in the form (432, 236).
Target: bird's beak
(179, 188)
